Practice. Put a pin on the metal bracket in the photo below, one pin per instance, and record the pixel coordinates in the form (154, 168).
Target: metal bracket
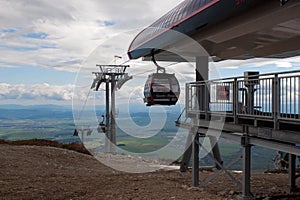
(122, 81)
(159, 68)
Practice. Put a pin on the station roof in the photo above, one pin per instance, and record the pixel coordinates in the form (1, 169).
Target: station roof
(227, 29)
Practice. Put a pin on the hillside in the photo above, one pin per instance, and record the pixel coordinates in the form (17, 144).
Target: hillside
(36, 172)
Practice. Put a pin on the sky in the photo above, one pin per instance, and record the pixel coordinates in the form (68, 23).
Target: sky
(44, 44)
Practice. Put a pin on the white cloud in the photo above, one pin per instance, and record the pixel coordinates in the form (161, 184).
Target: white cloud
(42, 93)
(284, 64)
(259, 62)
(73, 28)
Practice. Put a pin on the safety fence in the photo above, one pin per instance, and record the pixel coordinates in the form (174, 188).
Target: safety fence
(269, 96)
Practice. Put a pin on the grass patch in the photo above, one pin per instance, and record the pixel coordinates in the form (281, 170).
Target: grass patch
(75, 146)
(143, 145)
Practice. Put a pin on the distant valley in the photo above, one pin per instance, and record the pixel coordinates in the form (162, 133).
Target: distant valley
(53, 122)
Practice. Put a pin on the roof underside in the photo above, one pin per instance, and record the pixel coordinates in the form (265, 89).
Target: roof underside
(227, 30)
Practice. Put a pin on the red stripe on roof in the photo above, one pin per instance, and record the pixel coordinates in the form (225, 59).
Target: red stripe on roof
(175, 24)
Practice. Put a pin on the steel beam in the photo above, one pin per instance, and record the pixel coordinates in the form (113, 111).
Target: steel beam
(256, 141)
(279, 146)
(216, 150)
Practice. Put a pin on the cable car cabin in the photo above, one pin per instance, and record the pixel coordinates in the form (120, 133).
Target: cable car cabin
(161, 89)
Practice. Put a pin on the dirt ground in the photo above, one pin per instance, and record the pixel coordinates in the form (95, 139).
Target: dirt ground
(41, 172)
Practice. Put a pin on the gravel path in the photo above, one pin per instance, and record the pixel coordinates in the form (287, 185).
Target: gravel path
(32, 172)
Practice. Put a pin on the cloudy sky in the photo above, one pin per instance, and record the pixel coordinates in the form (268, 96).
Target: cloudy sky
(44, 43)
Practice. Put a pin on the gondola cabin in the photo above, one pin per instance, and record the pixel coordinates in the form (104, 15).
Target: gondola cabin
(161, 89)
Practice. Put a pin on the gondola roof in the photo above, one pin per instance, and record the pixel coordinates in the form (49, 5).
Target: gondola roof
(227, 29)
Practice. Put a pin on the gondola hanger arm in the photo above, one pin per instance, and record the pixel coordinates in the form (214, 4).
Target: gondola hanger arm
(158, 68)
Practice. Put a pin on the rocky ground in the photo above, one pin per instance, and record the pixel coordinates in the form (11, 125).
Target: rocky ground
(43, 172)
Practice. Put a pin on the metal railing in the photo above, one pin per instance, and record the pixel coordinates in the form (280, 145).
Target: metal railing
(273, 96)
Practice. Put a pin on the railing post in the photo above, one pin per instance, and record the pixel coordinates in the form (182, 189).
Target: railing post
(187, 101)
(235, 100)
(207, 99)
(276, 101)
(197, 99)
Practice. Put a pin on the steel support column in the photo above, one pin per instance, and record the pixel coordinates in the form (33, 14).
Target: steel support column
(195, 153)
(202, 75)
(110, 75)
(113, 111)
(292, 172)
(246, 185)
(202, 69)
(246, 172)
(107, 123)
(186, 158)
